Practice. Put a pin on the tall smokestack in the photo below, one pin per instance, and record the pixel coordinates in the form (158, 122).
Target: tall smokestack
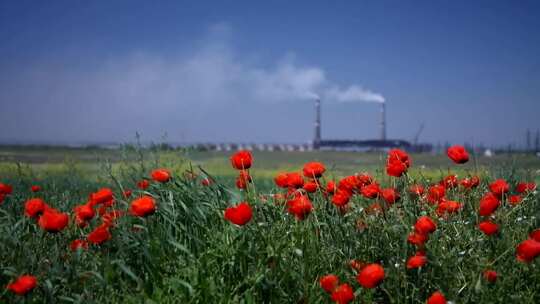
(383, 121)
(317, 138)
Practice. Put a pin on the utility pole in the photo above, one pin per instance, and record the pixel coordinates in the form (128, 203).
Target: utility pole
(528, 149)
(537, 142)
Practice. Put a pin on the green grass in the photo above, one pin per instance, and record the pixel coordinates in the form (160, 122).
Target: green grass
(187, 253)
(40, 160)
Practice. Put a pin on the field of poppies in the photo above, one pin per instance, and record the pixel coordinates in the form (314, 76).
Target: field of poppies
(159, 233)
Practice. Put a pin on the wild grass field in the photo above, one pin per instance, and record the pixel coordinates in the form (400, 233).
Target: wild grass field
(95, 234)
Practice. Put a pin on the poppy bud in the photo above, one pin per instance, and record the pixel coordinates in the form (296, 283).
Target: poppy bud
(490, 275)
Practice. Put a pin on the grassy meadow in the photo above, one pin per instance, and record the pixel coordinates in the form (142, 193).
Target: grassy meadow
(187, 252)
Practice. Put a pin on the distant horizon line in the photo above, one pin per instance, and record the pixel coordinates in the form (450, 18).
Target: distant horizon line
(105, 144)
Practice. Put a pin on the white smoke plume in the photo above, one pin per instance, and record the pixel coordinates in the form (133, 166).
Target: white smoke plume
(353, 93)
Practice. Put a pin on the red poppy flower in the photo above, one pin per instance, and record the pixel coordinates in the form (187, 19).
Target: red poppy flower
(313, 170)
(395, 168)
(528, 250)
(446, 206)
(311, 186)
(535, 235)
(34, 207)
(295, 180)
(475, 181)
(425, 225)
(514, 199)
(76, 244)
(5, 189)
(143, 206)
(390, 195)
(349, 183)
(23, 285)
(300, 207)
(99, 235)
(490, 275)
(143, 184)
(499, 187)
(470, 182)
(371, 276)
(282, 180)
(371, 190)
(523, 187)
(436, 193)
(488, 204)
(364, 179)
(436, 298)
(241, 160)
(341, 198)
(488, 227)
(331, 187)
(466, 183)
(343, 294)
(416, 261)
(416, 190)
(127, 193)
(35, 188)
(161, 175)
(397, 163)
(417, 239)
(101, 196)
(240, 214)
(109, 218)
(399, 155)
(329, 282)
(458, 154)
(84, 212)
(53, 220)
(450, 181)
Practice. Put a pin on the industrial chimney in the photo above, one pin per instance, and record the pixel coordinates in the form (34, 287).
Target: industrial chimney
(317, 138)
(383, 121)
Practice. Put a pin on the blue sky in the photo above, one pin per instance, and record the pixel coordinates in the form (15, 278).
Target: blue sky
(74, 71)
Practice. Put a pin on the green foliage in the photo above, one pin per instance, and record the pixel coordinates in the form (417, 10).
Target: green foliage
(187, 253)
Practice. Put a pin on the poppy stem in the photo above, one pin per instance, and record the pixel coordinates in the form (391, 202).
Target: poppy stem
(500, 256)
